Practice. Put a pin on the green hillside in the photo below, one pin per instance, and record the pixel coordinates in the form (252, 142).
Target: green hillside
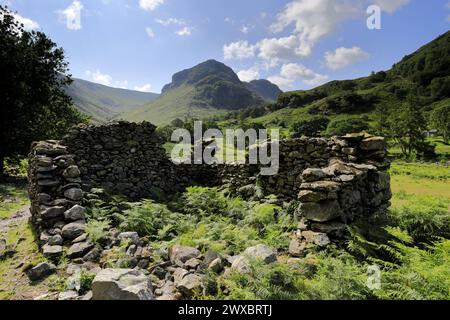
(104, 103)
(425, 73)
(208, 89)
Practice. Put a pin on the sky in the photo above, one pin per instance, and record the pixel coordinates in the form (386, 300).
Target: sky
(299, 44)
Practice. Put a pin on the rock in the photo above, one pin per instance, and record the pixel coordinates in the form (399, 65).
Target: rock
(48, 183)
(79, 249)
(261, 252)
(55, 240)
(68, 295)
(210, 256)
(373, 144)
(241, 264)
(178, 275)
(311, 196)
(328, 186)
(93, 255)
(190, 284)
(74, 194)
(52, 212)
(178, 255)
(75, 213)
(52, 252)
(216, 265)
(41, 271)
(2, 248)
(71, 172)
(320, 211)
(192, 263)
(133, 237)
(336, 229)
(311, 175)
(81, 238)
(297, 248)
(73, 230)
(320, 239)
(87, 296)
(121, 284)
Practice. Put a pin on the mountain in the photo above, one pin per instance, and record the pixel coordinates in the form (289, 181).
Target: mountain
(425, 73)
(208, 89)
(264, 88)
(103, 103)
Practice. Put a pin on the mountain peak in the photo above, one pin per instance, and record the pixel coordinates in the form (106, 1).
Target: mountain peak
(196, 74)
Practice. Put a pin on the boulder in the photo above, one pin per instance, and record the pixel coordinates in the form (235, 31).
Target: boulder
(68, 295)
(52, 212)
(317, 238)
(373, 144)
(133, 237)
(190, 284)
(311, 196)
(55, 240)
(311, 175)
(79, 249)
(121, 284)
(52, 252)
(178, 255)
(297, 248)
(74, 230)
(74, 194)
(71, 172)
(320, 211)
(41, 271)
(261, 252)
(75, 213)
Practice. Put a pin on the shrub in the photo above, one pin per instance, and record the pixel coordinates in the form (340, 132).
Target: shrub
(309, 127)
(147, 218)
(339, 127)
(204, 201)
(97, 230)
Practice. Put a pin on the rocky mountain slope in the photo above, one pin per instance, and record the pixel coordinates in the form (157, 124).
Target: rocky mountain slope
(208, 89)
(103, 103)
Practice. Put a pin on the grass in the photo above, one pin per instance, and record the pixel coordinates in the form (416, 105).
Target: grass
(14, 284)
(12, 198)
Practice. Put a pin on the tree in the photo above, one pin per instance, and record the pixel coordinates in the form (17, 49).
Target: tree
(406, 126)
(342, 126)
(440, 119)
(381, 117)
(310, 127)
(34, 105)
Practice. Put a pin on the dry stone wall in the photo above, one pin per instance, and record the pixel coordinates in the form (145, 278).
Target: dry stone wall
(335, 181)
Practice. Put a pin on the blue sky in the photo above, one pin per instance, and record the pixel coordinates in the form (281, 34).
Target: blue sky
(139, 44)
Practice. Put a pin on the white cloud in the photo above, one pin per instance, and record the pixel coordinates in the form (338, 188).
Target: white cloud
(72, 15)
(315, 19)
(292, 72)
(343, 57)
(186, 31)
(275, 50)
(246, 29)
(150, 5)
(238, 50)
(296, 71)
(28, 24)
(249, 74)
(144, 88)
(99, 77)
(391, 6)
(171, 21)
(229, 20)
(280, 81)
(149, 32)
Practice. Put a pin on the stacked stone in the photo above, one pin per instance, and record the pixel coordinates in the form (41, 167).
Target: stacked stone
(125, 158)
(56, 198)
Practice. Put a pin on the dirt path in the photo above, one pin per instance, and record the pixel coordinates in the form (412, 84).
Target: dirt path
(17, 218)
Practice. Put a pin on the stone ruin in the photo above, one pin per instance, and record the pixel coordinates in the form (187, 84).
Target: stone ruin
(332, 181)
